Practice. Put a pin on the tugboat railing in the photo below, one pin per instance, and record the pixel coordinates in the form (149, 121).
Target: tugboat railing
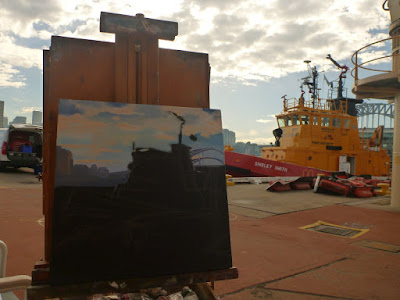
(328, 105)
(355, 59)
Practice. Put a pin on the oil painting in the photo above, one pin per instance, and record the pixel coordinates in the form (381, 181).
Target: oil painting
(139, 192)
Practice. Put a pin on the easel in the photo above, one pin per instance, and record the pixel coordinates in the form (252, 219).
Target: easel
(133, 70)
(197, 281)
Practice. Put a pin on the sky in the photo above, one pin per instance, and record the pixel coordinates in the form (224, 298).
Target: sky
(256, 48)
(102, 133)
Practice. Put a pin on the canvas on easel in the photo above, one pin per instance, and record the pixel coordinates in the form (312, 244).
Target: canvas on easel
(139, 191)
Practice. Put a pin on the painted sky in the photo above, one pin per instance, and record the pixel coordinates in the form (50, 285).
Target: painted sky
(102, 133)
(256, 47)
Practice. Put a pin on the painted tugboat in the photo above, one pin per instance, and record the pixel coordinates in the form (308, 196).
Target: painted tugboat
(315, 136)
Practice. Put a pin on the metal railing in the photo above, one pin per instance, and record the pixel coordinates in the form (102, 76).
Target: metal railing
(330, 105)
(361, 65)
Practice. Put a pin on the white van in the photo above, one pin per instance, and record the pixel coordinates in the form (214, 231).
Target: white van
(21, 146)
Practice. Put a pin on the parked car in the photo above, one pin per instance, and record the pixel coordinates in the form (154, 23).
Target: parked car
(21, 146)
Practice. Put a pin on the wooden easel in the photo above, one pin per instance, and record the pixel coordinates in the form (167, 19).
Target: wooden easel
(133, 70)
(40, 288)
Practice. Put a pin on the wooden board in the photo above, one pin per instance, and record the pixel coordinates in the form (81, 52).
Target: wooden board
(83, 69)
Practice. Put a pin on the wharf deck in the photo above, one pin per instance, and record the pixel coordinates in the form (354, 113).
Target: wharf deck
(275, 257)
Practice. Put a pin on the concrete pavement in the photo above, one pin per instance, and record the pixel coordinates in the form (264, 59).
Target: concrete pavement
(21, 220)
(276, 258)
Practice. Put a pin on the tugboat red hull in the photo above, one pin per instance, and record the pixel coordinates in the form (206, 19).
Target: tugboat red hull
(242, 165)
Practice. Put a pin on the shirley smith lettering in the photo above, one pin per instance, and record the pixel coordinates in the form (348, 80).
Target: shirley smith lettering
(270, 166)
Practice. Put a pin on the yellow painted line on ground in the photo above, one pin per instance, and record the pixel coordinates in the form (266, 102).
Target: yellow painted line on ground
(361, 231)
(378, 245)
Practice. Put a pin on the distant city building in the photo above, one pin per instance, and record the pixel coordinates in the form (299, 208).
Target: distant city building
(240, 147)
(102, 172)
(64, 161)
(36, 117)
(2, 113)
(229, 137)
(248, 148)
(80, 170)
(19, 120)
(5, 122)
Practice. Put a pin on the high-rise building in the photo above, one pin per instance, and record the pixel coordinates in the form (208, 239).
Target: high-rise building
(5, 122)
(19, 120)
(36, 117)
(1, 113)
(229, 137)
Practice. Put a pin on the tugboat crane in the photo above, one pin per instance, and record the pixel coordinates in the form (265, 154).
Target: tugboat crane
(342, 75)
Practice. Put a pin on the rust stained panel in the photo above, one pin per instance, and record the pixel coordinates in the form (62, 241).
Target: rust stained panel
(184, 78)
(82, 68)
(46, 90)
(153, 81)
(148, 68)
(121, 70)
(46, 148)
(115, 23)
(89, 70)
(73, 69)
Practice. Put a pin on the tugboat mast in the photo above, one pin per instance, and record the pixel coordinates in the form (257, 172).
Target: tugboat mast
(313, 86)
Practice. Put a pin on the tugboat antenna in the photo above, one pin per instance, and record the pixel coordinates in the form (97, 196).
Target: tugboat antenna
(313, 86)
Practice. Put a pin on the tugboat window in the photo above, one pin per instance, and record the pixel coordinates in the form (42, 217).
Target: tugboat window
(281, 122)
(336, 122)
(288, 121)
(346, 123)
(296, 120)
(305, 119)
(325, 121)
(315, 120)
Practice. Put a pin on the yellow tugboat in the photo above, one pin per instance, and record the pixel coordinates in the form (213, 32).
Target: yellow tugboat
(316, 135)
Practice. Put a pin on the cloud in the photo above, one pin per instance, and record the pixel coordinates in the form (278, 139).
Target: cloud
(72, 124)
(128, 127)
(13, 57)
(258, 140)
(220, 4)
(99, 133)
(18, 56)
(9, 76)
(80, 150)
(18, 16)
(112, 109)
(68, 108)
(249, 40)
(166, 137)
(260, 40)
(208, 120)
(30, 109)
(263, 121)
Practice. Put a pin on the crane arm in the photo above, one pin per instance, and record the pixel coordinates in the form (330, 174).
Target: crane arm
(344, 67)
(334, 61)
